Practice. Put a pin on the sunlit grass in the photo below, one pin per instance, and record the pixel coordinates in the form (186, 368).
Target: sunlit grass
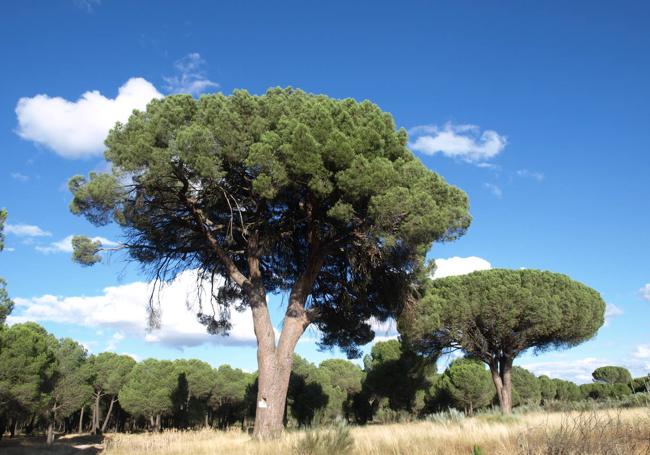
(612, 432)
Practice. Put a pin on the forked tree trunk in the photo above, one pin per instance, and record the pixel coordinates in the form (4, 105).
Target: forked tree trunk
(502, 378)
(96, 414)
(274, 364)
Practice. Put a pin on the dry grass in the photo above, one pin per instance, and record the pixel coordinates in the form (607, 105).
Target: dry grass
(602, 432)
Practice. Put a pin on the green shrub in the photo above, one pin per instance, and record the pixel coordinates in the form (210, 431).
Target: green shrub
(451, 415)
(337, 440)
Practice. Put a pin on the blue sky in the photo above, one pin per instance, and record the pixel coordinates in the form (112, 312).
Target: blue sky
(540, 111)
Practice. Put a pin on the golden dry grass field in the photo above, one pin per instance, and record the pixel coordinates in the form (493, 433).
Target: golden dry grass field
(602, 432)
(606, 432)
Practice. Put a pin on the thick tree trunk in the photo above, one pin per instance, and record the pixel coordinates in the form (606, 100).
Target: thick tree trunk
(81, 419)
(157, 425)
(50, 432)
(502, 378)
(108, 414)
(274, 364)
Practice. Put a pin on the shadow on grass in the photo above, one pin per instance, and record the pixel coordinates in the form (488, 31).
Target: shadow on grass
(81, 444)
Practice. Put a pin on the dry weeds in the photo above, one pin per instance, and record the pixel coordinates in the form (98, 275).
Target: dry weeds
(611, 432)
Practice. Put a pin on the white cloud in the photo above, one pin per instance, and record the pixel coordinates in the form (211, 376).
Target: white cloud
(77, 129)
(459, 266)
(465, 142)
(114, 341)
(65, 245)
(525, 173)
(494, 189)
(20, 177)
(384, 331)
(123, 309)
(577, 370)
(190, 76)
(642, 352)
(645, 292)
(26, 230)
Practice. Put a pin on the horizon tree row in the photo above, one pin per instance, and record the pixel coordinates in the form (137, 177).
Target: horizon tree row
(52, 385)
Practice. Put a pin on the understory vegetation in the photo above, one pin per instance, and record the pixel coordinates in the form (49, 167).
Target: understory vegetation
(51, 385)
(593, 432)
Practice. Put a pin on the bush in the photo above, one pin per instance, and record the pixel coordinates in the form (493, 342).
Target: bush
(603, 391)
(451, 415)
(337, 440)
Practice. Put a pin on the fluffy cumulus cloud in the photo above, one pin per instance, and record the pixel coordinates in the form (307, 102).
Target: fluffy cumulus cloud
(645, 292)
(459, 266)
(123, 309)
(65, 245)
(26, 230)
(77, 129)
(464, 142)
(190, 76)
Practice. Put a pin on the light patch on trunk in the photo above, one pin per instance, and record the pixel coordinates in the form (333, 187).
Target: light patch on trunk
(262, 404)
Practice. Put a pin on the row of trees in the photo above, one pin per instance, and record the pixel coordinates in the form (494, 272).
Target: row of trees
(48, 384)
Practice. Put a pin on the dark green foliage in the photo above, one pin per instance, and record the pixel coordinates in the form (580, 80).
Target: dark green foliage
(344, 374)
(196, 380)
(3, 218)
(6, 304)
(567, 390)
(148, 389)
(27, 368)
(603, 390)
(110, 371)
(307, 396)
(71, 388)
(612, 375)
(312, 179)
(468, 384)
(547, 388)
(393, 378)
(526, 389)
(228, 397)
(503, 311)
(85, 250)
(640, 385)
(495, 315)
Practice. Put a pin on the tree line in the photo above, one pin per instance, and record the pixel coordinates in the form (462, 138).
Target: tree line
(52, 385)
